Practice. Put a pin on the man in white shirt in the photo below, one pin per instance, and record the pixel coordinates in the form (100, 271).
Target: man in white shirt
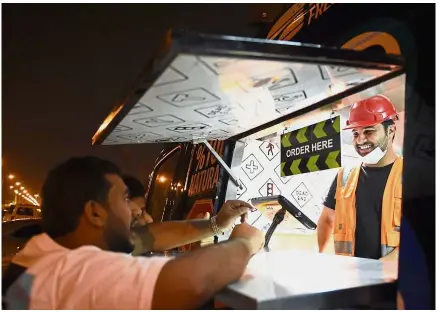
(81, 260)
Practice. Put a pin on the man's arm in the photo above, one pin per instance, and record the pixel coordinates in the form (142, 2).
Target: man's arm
(117, 281)
(189, 281)
(325, 226)
(169, 235)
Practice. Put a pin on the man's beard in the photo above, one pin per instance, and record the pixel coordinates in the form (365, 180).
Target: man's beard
(115, 238)
(381, 144)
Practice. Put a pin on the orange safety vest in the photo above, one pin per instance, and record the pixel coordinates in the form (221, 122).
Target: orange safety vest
(345, 211)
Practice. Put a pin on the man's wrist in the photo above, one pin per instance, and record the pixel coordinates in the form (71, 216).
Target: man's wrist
(219, 223)
(216, 229)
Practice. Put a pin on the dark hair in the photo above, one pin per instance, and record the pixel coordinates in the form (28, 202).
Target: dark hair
(387, 124)
(68, 187)
(135, 187)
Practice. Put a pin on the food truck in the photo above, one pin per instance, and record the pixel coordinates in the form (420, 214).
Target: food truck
(236, 112)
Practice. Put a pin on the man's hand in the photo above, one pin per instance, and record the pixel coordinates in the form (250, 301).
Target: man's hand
(161, 236)
(251, 234)
(230, 211)
(212, 268)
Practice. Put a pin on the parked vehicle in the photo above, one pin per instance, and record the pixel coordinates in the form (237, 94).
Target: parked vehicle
(15, 235)
(21, 211)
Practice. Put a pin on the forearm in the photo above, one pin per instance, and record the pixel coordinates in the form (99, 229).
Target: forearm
(324, 230)
(189, 281)
(169, 235)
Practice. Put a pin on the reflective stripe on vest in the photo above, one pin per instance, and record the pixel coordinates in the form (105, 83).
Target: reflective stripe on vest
(345, 211)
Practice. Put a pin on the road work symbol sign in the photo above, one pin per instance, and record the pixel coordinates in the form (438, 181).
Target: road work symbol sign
(312, 148)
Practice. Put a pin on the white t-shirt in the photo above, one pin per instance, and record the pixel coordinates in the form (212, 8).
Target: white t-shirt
(85, 278)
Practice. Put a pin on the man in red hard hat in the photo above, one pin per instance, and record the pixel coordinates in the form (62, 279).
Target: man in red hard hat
(363, 205)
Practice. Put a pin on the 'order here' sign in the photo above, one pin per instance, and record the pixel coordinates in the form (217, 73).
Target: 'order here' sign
(312, 148)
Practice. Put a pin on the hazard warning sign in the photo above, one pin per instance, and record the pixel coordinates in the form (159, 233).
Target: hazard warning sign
(270, 150)
(269, 189)
(301, 194)
(251, 167)
(312, 148)
(189, 97)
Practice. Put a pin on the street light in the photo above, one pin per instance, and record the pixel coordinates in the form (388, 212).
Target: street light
(11, 176)
(162, 179)
(11, 187)
(21, 188)
(17, 183)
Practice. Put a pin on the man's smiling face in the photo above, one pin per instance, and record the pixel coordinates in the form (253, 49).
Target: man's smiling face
(366, 139)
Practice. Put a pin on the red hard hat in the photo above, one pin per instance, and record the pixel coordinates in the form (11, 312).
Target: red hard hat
(370, 112)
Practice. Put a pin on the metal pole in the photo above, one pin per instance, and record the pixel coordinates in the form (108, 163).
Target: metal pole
(224, 165)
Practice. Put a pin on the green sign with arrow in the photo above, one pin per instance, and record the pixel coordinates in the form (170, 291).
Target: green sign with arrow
(312, 148)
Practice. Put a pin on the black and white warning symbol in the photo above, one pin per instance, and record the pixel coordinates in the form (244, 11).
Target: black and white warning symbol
(302, 195)
(141, 138)
(170, 76)
(214, 134)
(330, 71)
(349, 84)
(140, 108)
(286, 110)
(285, 179)
(251, 167)
(121, 128)
(269, 188)
(270, 150)
(218, 65)
(275, 80)
(215, 111)
(289, 98)
(241, 192)
(189, 128)
(156, 121)
(230, 121)
(189, 97)
(171, 139)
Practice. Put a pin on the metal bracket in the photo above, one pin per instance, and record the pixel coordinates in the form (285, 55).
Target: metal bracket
(234, 179)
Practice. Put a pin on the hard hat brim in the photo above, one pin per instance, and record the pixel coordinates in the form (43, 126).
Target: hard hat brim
(360, 124)
(366, 124)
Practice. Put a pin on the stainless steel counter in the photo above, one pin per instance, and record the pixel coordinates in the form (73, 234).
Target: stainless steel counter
(298, 280)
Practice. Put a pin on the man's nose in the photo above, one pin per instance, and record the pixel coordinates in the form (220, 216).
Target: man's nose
(361, 139)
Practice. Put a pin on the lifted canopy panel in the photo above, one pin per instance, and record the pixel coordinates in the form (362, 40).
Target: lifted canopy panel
(221, 87)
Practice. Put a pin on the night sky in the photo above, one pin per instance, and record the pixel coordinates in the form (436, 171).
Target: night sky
(66, 65)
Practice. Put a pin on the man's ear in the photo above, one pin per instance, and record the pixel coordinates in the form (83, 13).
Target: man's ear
(95, 214)
(392, 131)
